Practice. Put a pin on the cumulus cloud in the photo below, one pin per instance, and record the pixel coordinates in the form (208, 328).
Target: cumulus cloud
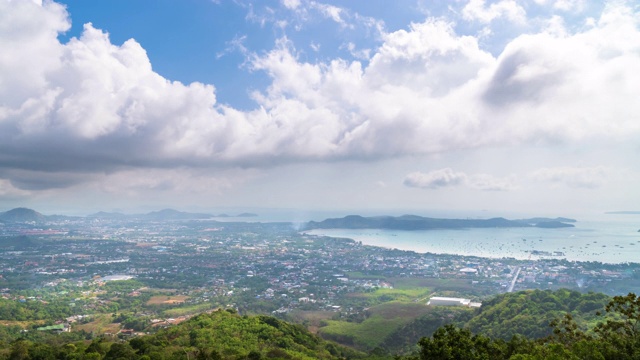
(435, 179)
(291, 4)
(89, 106)
(449, 178)
(564, 5)
(478, 10)
(575, 177)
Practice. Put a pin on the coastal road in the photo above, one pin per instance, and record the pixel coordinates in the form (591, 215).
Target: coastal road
(515, 277)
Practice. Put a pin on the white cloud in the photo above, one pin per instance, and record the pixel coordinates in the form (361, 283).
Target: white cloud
(184, 182)
(291, 4)
(488, 182)
(329, 11)
(91, 106)
(447, 177)
(478, 10)
(565, 5)
(575, 177)
(8, 191)
(435, 179)
(236, 44)
(362, 54)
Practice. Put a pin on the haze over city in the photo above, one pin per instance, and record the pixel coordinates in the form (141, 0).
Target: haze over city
(528, 106)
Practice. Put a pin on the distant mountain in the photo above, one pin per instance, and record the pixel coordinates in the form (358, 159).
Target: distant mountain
(623, 212)
(247, 215)
(414, 222)
(25, 215)
(108, 215)
(22, 215)
(543, 219)
(223, 215)
(171, 214)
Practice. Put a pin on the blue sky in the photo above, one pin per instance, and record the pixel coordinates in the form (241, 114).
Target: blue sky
(509, 106)
(198, 40)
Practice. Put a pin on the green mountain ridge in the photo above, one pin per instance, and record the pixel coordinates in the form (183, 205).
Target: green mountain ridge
(221, 334)
(525, 313)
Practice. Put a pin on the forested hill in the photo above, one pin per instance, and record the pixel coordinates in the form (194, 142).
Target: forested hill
(527, 313)
(414, 222)
(222, 334)
(233, 336)
(530, 312)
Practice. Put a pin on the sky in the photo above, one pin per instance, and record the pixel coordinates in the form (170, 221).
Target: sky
(503, 106)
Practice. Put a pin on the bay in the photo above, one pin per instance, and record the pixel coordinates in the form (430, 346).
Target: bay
(611, 240)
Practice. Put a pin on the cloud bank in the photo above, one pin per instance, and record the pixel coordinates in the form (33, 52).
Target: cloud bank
(575, 177)
(70, 111)
(449, 178)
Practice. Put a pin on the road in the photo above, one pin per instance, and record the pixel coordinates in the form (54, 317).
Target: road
(515, 277)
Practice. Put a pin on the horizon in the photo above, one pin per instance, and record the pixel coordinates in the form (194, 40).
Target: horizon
(294, 215)
(497, 106)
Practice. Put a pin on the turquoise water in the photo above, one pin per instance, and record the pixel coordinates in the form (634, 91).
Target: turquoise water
(615, 240)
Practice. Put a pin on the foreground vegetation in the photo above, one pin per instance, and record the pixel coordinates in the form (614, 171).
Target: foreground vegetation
(580, 326)
(217, 335)
(617, 338)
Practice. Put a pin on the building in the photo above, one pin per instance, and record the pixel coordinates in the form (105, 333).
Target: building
(447, 301)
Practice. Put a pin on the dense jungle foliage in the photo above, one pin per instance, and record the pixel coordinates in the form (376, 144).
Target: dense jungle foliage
(580, 326)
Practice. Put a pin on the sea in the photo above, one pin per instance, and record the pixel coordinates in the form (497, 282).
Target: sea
(601, 237)
(612, 238)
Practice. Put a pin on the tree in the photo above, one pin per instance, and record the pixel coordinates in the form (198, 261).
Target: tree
(120, 352)
(453, 343)
(629, 308)
(19, 350)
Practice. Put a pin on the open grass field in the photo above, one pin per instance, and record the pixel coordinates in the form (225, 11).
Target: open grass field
(313, 319)
(22, 324)
(406, 294)
(445, 287)
(384, 319)
(100, 325)
(167, 300)
(189, 310)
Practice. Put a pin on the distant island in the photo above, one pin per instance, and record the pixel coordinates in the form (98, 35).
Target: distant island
(25, 215)
(414, 222)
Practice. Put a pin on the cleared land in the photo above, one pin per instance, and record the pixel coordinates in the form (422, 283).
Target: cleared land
(167, 300)
(383, 320)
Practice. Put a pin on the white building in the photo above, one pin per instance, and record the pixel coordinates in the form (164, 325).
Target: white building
(448, 301)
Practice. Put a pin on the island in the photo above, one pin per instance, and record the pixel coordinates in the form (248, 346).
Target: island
(415, 222)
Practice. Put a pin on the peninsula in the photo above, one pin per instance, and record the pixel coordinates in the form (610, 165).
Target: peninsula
(414, 222)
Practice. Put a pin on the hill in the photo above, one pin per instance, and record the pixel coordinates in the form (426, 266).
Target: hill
(25, 215)
(527, 313)
(171, 214)
(232, 335)
(414, 222)
(217, 335)
(22, 215)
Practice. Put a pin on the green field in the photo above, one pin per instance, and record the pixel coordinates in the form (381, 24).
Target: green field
(189, 310)
(382, 321)
(382, 295)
